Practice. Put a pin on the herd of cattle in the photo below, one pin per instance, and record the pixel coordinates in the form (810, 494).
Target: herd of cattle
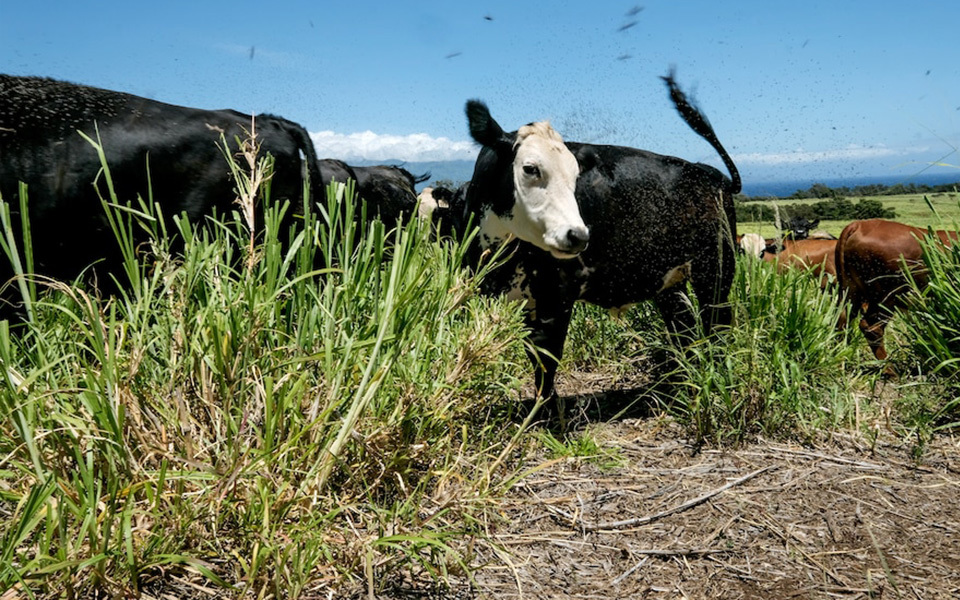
(868, 262)
(605, 224)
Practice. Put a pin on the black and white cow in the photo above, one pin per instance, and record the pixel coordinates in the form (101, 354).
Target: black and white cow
(431, 199)
(444, 208)
(153, 149)
(655, 222)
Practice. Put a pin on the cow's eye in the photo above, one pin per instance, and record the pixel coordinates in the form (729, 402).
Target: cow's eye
(532, 170)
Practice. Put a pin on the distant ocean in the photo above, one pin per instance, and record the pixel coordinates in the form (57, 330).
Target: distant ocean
(782, 189)
(458, 171)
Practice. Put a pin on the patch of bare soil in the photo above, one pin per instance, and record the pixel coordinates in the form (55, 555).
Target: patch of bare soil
(768, 520)
(765, 520)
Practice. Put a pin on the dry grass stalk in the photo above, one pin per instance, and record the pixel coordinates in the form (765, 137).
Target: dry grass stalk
(249, 184)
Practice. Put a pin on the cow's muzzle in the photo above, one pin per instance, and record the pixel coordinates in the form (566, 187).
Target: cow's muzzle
(572, 244)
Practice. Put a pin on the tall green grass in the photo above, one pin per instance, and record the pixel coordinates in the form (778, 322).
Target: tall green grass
(271, 420)
(597, 340)
(781, 369)
(931, 324)
(298, 400)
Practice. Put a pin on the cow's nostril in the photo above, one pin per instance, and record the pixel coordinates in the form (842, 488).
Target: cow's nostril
(578, 238)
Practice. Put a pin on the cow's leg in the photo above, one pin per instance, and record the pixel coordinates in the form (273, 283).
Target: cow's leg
(681, 322)
(675, 308)
(855, 304)
(712, 280)
(548, 331)
(873, 324)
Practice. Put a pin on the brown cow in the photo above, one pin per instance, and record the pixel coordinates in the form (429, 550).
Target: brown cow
(817, 255)
(869, 257)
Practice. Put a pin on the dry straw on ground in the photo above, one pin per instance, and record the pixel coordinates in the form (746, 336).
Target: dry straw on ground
(775, 521)
(838, 519)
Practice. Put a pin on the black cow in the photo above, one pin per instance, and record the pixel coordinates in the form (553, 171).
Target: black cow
(332, 169)
(151, 147)
(799, 228)
(389, 191)
(655, 222)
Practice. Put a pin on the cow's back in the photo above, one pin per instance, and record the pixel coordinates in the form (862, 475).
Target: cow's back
(153, 150)
(650, 214)
(390, 191)
(869, 258)
(817, 255)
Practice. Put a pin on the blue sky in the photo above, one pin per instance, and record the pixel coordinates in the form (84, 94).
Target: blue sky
(795, 89)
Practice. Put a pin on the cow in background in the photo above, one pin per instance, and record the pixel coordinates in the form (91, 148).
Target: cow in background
(815, 255)
(445, 208)
(871, 256)
(433, 199)
(751, 244)
(799, 228)
(390, 191)
(387, 190)
(332, 169)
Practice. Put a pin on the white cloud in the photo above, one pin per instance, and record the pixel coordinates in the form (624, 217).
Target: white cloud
(800, 156)
(416, 147)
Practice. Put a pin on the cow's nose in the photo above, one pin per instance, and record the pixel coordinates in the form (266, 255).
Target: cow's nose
(577, 238)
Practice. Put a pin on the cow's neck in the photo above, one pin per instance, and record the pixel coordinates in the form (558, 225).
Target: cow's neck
(493, 230)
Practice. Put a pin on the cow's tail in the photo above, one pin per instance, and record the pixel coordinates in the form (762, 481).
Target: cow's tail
(699, 123)
(305, 145)
(845, 283)
(839, 259)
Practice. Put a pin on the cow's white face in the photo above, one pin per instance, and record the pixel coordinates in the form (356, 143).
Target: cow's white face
(426, 204)
(545, 176)
(752, 244)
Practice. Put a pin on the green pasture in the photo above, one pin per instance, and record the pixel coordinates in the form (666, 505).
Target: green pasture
(912, 209)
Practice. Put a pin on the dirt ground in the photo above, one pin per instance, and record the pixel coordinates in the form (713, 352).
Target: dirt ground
(838, 519)
(763, 521)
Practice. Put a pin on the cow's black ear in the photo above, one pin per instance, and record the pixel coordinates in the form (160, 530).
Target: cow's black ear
(814, 224)
(483, 128)
(587, 158)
